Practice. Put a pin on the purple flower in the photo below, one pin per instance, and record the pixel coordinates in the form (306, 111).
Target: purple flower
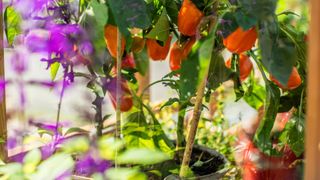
(86, 48)
(37, 40)
(91, 163)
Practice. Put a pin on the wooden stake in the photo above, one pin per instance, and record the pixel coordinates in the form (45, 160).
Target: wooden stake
(3, 120)
(193, 129)
(312, 145)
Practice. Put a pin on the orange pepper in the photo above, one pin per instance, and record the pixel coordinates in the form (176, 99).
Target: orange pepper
(240, 41)
(110, 37)
(157, 52)
(245, 66)
(293, 82)
(189, 18)
(180, 52)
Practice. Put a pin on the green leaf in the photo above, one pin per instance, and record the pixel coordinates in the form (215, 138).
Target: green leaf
(256, 96)
(169, 102)
(125, 173)
(142, 156)
(278, 52)
(109, 146)
(133, 14)
(218, 72)
(172, 9)
(189, 74)
(142, 61)
(244, 20)
(96, 88)
(75, 130)
(93, 21)
(76, 145)
(12, 22)
(54, 167)
(139, 134)
(205, 55)
(261, 9)
(100, 12)
(31, 160)
(54, 70)
(262, 138)
(11, 169)
(161, 29)
(293, 135)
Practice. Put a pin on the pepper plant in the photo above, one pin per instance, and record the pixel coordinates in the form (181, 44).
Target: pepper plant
(115, 39)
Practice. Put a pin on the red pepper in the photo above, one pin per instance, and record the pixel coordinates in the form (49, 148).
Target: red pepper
(110, 37)
(293, 82)
(189, 18)
(179, 52)
(157, 52)
(240, 41)
(245, 66)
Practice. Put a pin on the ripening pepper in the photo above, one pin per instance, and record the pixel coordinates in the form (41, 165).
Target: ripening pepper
(179, 52)
(245, 66)
(189, 18)
(157, 52)
(126, 101)
(240, 41)
(293, 82)
(110, 37)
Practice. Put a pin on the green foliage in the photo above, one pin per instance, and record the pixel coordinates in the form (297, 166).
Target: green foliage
(139, 134)
(172, 9)
(52, 168)
(76, 145)
(93, 21)
(31, 161)
(262, 138)
(161, 29)
(218, 72)
(54, 70)
(133, 14)
(125, 173)
(142, 156)
(255, 95)
(12, 21)
(260, 10)
(293, 135)
(189, 74)
(142, 61)
(278, 52)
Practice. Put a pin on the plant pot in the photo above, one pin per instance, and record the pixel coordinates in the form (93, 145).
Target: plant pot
(214, 164)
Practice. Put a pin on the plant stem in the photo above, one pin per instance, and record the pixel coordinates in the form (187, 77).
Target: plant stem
(193, 129)
(98, 115)
(180, 127)
(64, 83)
(98, 106)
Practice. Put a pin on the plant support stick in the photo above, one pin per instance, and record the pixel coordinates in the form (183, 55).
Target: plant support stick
(118, 86)
(118, 93)
(193, 129)
(3, 120)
